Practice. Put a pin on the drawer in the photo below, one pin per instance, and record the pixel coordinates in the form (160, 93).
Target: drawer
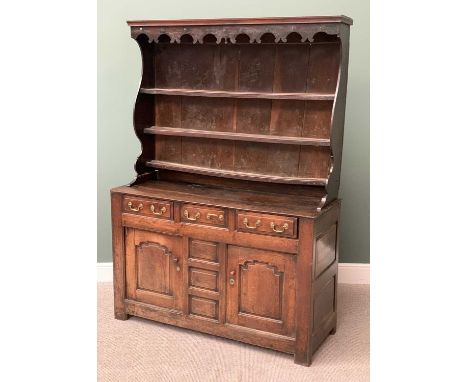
(203, 250)
(203, 278)
(161, 209)
(194, 213)
(275, 225)
(203, 307)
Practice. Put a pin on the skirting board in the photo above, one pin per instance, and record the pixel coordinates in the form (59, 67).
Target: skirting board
(348, 273)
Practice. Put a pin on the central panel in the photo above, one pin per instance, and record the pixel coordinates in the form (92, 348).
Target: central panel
(261, 290)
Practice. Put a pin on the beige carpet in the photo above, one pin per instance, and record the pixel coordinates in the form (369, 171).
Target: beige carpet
(141, 350)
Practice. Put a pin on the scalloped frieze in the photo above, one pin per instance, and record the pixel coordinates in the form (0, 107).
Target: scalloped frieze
(229, 33)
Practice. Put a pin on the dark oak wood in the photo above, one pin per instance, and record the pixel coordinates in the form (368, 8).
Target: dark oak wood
(231, 226)
(303, 351)
(214, 233)
(118, 252)
(174, 131)
(261, 290)
(273, 225)
(263, 20)
(154, 266)
(235, 174)
(231, 94)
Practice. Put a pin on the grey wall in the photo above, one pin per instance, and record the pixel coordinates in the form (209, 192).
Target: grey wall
(118, 81)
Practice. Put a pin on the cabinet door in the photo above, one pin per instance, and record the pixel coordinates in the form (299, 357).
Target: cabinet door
(261, 290)
(154, 268)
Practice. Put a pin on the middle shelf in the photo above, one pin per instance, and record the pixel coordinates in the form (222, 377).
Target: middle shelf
(227, 135)
(240, 94)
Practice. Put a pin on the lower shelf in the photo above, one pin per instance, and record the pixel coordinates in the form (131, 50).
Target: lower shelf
(236, 174)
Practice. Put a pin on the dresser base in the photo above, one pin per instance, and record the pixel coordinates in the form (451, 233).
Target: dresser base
(233, 269)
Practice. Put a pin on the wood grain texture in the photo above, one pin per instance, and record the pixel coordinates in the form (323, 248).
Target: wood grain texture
(118, 254)
(325, 250)
(154, 268)
(204, 250)
(206, 215)
(338, 119)
(157, 208)
(260, 21)
(279, 200)
(274, 225)
(231, 226)
(200, 232)
(198, 133)
(303, 351)
(202, 278)
(243, 334)
(250, 175)
(257, 95)
(204, 307)
(262, 293)
(267, 286)
(240, 94)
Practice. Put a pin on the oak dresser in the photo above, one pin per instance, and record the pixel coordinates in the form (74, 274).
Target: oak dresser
(231, 225)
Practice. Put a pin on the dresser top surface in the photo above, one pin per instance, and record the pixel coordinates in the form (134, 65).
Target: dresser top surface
(244, 21)
(286, 204)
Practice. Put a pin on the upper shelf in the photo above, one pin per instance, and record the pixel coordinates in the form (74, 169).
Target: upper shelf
(237, 94)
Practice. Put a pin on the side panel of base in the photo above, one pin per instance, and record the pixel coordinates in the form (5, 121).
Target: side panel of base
(118, 250)
(320, 283)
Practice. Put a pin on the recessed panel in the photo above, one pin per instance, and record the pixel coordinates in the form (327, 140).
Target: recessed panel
(153, 267)
(325, 250)
(261, 290)
(202, 278)
(324, 303)
(204, 250)
(203, 307)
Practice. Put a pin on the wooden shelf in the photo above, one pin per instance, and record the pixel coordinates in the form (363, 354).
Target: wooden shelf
(227, 135)
(236, 174)
(236, 94)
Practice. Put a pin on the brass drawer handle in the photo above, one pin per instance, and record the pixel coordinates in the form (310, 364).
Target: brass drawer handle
(246, 223)
(136, 209)
(161, 211)
(279, 230)
(195, 218)
(210, 216)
